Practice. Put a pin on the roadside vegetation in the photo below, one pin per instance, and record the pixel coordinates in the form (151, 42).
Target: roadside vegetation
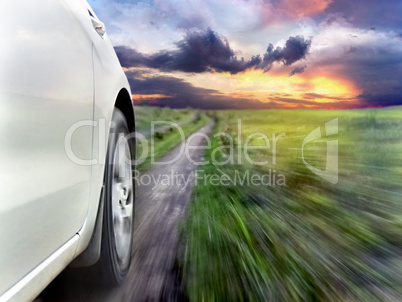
(308, 240)
(145, 115)
(165, 137)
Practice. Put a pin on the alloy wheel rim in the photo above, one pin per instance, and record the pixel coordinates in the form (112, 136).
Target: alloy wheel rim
(122, 198)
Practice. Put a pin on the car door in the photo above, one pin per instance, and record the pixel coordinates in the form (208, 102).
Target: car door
(46, 88)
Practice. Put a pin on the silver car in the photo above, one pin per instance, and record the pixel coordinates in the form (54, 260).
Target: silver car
(66, 189)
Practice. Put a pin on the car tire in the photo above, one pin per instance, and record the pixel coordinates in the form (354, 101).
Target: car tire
(118, 214)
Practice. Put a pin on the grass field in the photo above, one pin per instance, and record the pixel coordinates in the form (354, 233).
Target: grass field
(308, 239)
(162, 141)
(145, 115)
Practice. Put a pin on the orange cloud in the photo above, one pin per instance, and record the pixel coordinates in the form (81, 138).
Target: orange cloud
(304, 8)
(150, 99)
(148, 96)
(274, 89)
(307, 90)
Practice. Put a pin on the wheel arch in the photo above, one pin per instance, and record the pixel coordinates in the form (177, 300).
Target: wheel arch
(91, 253)
(125, 104)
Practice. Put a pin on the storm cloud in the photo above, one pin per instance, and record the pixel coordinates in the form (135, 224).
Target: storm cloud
(376, 69)
(367, 14)
(208, 52)
(297, 70)
(296, 48)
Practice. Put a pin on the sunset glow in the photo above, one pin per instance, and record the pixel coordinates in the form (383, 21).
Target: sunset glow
(256, 54)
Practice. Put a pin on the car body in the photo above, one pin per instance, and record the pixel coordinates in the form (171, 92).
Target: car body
(60, 84)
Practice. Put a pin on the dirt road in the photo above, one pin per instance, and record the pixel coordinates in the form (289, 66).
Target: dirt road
(162, 196)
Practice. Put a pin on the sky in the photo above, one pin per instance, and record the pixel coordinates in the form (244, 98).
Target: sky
(258, 54)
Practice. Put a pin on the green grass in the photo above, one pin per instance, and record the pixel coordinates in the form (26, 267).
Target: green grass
(144, 115)
(162, 143)
(309, 240)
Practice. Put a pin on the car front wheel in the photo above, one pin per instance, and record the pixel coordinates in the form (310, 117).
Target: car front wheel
(117, 230)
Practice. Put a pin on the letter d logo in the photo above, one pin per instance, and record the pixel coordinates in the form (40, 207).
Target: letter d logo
(331, 169)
